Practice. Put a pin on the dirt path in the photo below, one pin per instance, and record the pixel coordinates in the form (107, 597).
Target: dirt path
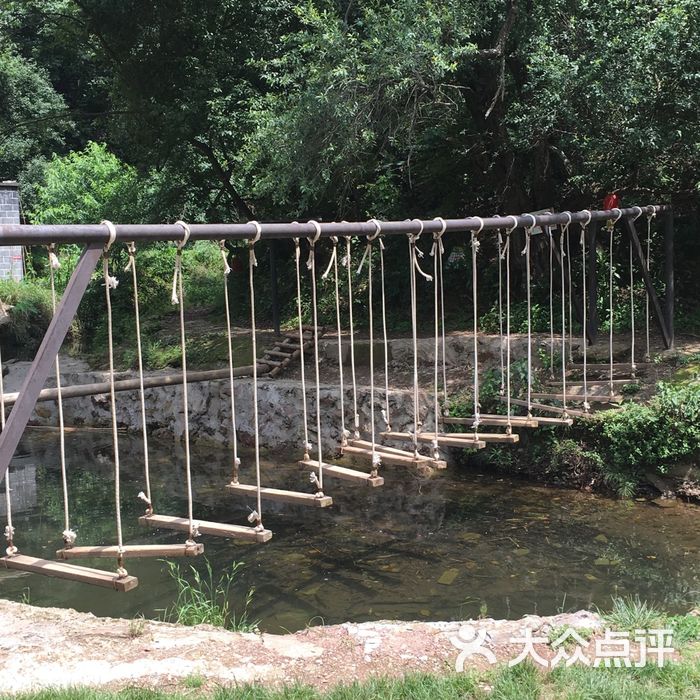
(51, 647)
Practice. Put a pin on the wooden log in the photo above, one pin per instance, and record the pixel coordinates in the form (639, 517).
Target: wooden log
(593, 382)
(132, 551)
(605, 367)
(74, 391)
(276, 353)
(282, 496)
(273, 363)
(493, 419)
(234, 532)
(70, 572)
(579, 398)
(344, 473)
(546, 408)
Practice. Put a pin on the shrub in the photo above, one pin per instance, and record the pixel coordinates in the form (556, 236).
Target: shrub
(29, 316)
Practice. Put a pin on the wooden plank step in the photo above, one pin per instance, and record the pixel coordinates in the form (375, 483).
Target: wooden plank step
(444, 439)
(290, 346)
(132, 551)
(386, 452)
(282, 496)
(579, 398)
(273, 363)
(473, 436)
(548, 420)
(546, 408)
(493, 419)
(344, 473)
(234, 532)
(70, 572)
(406, 459)
(602, 366)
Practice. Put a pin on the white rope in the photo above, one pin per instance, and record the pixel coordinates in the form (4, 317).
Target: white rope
(526, 252)
(252, 264)
(131, 266)
(506, 255)
(376, 457)
(333, 263)
(475, 310)
(611, 228)
(348, 264)
(584, 226)
(502, 388)
(178, 297)
(386, 415)
(571, 298)
(9, 527)
(632, 309)
(69, 536)
(414, 253)
(550, 236)
(109, 284)
(564, 236)
(229, 347)
(647, 356)
(436, 253)
(314, 306)
(305, 412)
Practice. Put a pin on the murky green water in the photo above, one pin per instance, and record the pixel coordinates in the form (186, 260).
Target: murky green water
(445, 547)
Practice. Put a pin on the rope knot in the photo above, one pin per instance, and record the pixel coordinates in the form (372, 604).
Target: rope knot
(69, 537)
(9, 533)
(54, 261)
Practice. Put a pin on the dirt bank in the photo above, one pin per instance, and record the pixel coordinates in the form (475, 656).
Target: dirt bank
(51, 647)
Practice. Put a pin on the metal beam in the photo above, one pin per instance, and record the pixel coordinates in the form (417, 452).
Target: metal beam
(46, 355)
(659, 315)
(16, 234)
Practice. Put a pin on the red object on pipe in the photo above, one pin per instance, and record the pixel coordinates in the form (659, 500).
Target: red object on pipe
(611, 201)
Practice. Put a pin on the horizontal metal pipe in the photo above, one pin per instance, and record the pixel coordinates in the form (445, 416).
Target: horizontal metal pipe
(76, 390)
(18, 234)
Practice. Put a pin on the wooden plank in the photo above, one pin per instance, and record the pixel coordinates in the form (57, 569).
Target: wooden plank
(399, 457)
(542, 420)
(282, 496)
(605, 367)
(234, 532)
(70, 572)
(496, 420)
(471, 437)
(546, 407)
(344, 473)
(133, 551)
(444, 439)
(277, 353)
(579, 398)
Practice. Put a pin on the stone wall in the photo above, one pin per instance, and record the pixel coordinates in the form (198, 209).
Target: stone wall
(11, 260)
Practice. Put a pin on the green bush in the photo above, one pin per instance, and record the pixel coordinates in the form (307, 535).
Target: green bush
(29, 316)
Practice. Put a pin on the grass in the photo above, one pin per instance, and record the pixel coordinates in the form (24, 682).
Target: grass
(632, 613)
(202, 599)
(680, 681)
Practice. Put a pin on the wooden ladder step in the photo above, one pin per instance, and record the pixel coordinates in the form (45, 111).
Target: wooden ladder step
(132, 551)
(234, 532)
(579, 398)
(472, 437)
(549, 420)
(406, 459)
(344, 473)
(290, 346)
(70, 572)
(493, 419)
(282, 496)
(546, 408)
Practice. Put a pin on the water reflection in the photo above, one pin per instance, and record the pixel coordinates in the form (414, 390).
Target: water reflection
(443, 547)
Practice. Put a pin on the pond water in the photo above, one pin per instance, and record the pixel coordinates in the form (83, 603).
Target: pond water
(448, 546)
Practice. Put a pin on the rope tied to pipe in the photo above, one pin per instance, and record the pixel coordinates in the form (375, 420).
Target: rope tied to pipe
(347, 262)
(306, 444)
(436, 253)
(526, 253)
(563, 237)
(582, 242)
(475, 245)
